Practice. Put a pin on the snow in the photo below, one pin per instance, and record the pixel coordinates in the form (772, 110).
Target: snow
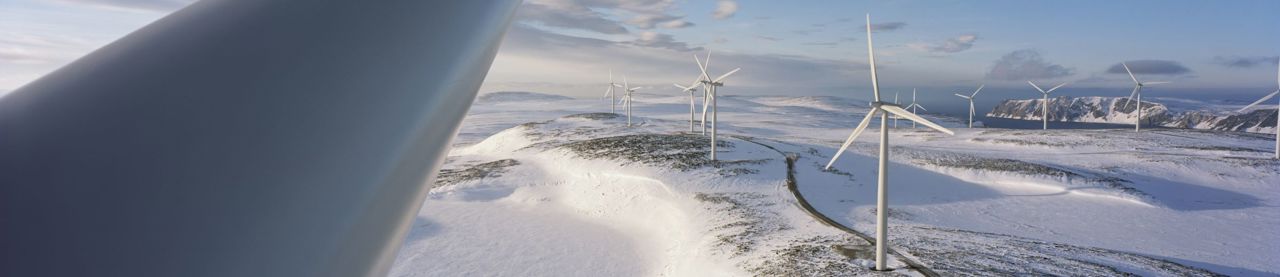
(579, 200)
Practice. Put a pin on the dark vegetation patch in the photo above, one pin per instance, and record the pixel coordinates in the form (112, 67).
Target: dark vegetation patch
(683, 152)
(1023, 142)
(966, 161)
(595, 116)
(474, 172)
(1220, 148)
(953, 252)
(814, 256)
(745, 221)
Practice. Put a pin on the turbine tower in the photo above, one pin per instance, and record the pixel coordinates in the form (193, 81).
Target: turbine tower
(883, 109)
(690, 90)
(710, 92)
(913, 107)
(896, 102)
(1264, 98)
(1137, 90)
(1044, 103)
(626, 97)
(970, 98)
(613, 105)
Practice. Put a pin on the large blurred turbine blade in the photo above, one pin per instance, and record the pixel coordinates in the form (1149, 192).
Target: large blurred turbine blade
(1255, 103)
(241, 138)
(856, 131)
(913, 117)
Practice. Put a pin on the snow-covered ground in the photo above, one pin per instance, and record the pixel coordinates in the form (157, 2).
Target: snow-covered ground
(547, 186)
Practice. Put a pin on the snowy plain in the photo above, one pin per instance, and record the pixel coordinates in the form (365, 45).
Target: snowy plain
(544, 185)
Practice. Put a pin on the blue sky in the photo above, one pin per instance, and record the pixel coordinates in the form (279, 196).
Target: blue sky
(786, 47)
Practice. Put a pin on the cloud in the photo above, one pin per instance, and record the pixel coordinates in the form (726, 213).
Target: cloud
(951, 45)
(768, 38)
(676, 24)
(1026, 64)
(569, 17)
(885, 27)
(1158, 67)
(657, 40)
(1245, 62)
(143, 5)
(529, 54)
(649, 21)
(725, 9)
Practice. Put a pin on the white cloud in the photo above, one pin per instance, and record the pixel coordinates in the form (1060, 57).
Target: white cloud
(725, 9)
(951, 45)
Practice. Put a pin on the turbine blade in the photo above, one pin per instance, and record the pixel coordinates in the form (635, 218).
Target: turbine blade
(617, 86)
(1037, 87)
(1055, 87)
(608, 91)
(1132, 95)
(682, 88)
(1255, 103)
(856, 131)
(962, 96)
(701, 67)
(975, 93)
(726, 75)
(1156, 82)
(922, 108)
(871, 58)
(1126, 69)
(913, 117)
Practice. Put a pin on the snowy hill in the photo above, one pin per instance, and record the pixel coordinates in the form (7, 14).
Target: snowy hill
(1122, 110)
(515, 96)
(575, 192)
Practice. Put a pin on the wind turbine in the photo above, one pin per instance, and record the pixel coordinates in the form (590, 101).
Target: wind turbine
(1044, 103)
(913, 107)
(1264, 98)
(1137, 90)
(895, 101)
(626, 97)
(613, 105)
(970, 98)
(690, 89)
(710, 92)
(706, 91)
(882, 109)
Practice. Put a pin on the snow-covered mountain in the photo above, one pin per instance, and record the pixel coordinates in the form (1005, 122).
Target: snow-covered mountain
(563, 188)
(1121, 110)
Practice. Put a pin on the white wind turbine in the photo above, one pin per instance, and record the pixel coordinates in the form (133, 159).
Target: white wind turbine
(690, 90)
(970, 98)
(710, 92)
(895, 102)
(883, 109)
(626, 97)
(913, 107)
(1044, 102)
(1137, 90)
(613, 105)
(1264, 98)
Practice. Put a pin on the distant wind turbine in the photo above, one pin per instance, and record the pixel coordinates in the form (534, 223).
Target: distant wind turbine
(1137, 90)
(1264, 98)
(1044, 103)
(913, 107)
(613, 105)
(690, 89)
(970, 98)
(711, 85)
(882, 109)
(626, 97)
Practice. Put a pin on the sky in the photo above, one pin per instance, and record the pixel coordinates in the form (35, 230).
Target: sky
(569, 47)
